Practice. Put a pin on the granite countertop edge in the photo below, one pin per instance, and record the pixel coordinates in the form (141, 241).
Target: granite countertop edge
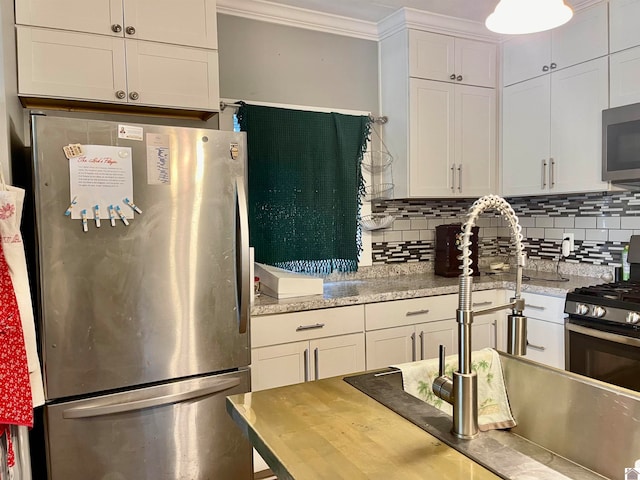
(342, 293)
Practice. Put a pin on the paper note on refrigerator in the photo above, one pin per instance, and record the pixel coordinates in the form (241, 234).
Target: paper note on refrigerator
(102, 175)
(158, 159)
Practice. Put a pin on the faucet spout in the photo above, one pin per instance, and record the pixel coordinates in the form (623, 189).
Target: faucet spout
(462, 390)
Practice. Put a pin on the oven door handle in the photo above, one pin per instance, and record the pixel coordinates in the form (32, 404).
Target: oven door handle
(612, 337)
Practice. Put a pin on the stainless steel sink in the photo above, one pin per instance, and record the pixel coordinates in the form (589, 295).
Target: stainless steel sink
(569, 426)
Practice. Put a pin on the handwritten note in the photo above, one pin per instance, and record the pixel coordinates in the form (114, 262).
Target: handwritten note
(158, 159)
(102, 175)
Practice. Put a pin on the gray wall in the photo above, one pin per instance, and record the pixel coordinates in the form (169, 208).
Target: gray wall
(267, 62)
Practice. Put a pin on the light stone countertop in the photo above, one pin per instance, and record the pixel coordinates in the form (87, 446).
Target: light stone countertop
(343, 292)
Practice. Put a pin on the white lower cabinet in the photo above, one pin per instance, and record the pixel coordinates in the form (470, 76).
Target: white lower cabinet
(545, 329)
(394, 336)
(303, 346)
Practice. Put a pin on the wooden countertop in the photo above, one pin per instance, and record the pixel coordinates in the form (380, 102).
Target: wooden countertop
(327, 429)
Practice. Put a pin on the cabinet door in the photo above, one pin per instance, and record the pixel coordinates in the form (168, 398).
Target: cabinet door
(475, 140)
(434, 334)
(91, 16)
(172, 76)
(583, 38)
(337, 355)
(526, 136)
(431, 140)
(525, 56)
(71, 65)
(280, 365)
(623, 24)
(475, 63)
(187, 22)
(391, 346)
(624, 72)
(431, 56)
(484, 332)
(579, 94)
(545, 342)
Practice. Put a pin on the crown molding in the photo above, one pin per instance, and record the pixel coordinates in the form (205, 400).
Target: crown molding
(299, 17)
(422, 20)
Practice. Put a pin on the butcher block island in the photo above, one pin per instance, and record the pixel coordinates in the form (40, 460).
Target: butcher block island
(327, 429)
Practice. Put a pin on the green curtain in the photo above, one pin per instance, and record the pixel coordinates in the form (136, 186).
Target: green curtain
(305, 186)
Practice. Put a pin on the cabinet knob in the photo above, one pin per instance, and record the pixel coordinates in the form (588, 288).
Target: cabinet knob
(452, 76)
(553, 65)
(121, 94)
(116, 28)
(459, 78)
(545, 68)
(134, 96)
(131, 31)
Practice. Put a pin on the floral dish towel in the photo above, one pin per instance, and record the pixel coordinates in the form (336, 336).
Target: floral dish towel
(493, 405)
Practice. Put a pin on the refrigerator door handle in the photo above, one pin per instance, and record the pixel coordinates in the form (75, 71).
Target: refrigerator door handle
(128, 406)
(242, 255)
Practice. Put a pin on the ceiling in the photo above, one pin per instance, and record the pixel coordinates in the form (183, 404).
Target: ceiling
(376, 10)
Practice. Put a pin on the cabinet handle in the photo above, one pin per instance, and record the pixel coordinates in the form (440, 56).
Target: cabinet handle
(553, 65)
(544, 173)
(115, 28)
(130, 30)
(494, 324)
(134, 95)
(421, 336)
(535, 347)
(460, 178)
(452, 76)
(306, 365)
(416, 312)
(481, 304)
(121, 94)
(535, 307)
(413, 347)
(453, 178)
(552, 173)
(545, 68)
(309, 327)
(459, 78)
(316, 367)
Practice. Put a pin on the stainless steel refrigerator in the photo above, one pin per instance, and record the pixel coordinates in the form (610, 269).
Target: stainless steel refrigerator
(143, 327)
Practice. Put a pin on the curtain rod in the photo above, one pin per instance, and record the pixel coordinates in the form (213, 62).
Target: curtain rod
(379, 120)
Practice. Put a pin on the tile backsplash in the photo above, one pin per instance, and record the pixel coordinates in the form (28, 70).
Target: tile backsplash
(601, 223)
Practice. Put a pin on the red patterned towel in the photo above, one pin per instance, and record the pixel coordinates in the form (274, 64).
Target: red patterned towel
(16, 406)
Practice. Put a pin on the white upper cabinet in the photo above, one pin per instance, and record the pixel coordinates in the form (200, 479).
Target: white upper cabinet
(440, 57)
(624, 87)
(552, 131)
(624, 31)
(583, 38)
(184, 22)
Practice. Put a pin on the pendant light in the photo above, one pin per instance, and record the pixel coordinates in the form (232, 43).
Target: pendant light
(528, 16)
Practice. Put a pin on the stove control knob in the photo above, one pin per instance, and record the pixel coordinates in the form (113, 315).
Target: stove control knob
(581, 309)
(633, 317)
(599, 311)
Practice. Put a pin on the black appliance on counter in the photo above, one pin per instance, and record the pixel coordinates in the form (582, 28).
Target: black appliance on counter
(602, 330)
(448, 237)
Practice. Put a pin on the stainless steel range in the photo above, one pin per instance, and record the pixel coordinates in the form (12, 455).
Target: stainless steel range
(602, 330)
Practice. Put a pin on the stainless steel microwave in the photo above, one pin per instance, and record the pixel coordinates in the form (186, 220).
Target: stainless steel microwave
(621, 144)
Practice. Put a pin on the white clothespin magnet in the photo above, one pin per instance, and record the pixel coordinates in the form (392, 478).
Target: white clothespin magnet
(67, 212)
(112, 216)
(85, 225)
(121, 215)
(132, 205)
(96, 215)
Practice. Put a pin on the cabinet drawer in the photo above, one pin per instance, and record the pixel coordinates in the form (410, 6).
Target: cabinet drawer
(292, 327)
(408, 312)
(544, 307)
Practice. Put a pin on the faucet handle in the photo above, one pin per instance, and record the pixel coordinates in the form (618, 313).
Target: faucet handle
(441, 353)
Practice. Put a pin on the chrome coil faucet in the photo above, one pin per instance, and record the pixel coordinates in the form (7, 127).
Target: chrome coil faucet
(461, 391)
